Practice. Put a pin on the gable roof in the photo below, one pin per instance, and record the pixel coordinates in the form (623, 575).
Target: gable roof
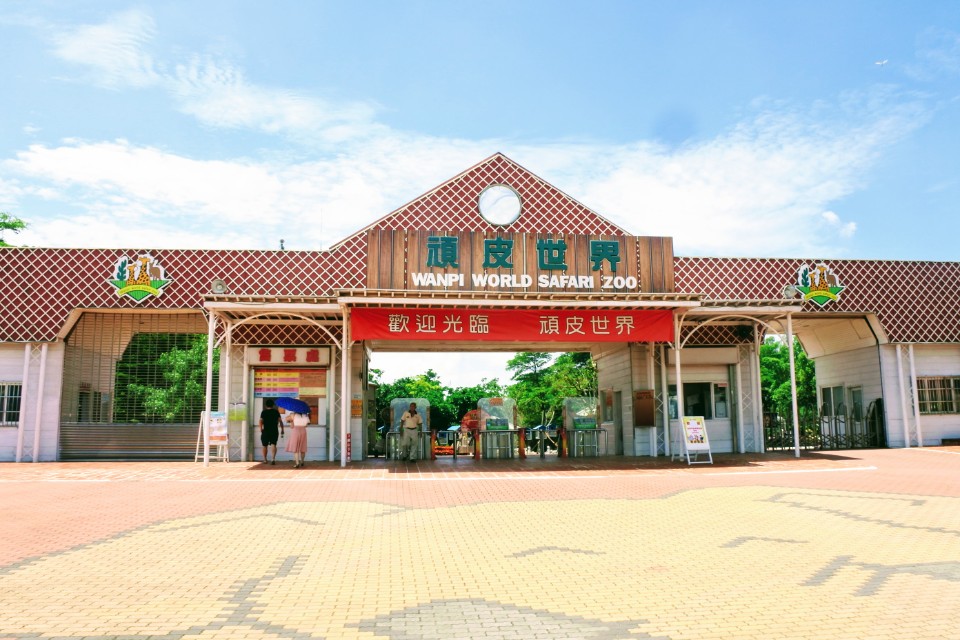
(452, 206)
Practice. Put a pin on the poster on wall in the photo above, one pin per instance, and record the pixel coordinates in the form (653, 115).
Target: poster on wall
(289, 383)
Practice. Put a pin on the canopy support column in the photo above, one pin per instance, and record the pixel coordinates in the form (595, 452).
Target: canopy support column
(793, 388)
(39, 409)
(677, 324)
(665, 406)
(916, 396)
(27, 348)
(211, 326)
(345, 387)
(903, 398)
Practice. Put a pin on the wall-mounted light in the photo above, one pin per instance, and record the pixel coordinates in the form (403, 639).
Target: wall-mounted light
(789, 292)
(218, 286)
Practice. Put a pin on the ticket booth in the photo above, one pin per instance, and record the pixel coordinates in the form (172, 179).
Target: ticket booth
(293, 372)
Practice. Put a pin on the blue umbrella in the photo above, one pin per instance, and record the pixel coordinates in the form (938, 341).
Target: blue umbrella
(295, 405)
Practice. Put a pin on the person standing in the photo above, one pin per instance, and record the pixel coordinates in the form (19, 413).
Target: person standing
(410, 423)
(297, 444)
(270, 428)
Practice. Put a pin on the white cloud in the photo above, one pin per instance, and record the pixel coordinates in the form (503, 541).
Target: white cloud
(217, 94)
(761, 189)
(212, 90)
(218, 204)
(112, 51)
(937, 55)
(758, 189)
(845, 229)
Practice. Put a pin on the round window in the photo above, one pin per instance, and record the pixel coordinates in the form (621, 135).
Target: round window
(499, 204)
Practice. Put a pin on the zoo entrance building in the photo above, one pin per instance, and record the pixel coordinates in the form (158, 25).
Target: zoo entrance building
(97, 346)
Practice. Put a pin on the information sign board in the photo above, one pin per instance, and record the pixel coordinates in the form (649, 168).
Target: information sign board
(693, 434)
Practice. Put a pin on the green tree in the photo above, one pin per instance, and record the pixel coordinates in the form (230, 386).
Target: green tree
(775, 379)
(12, 224)
(542, 385)
(162, 378)
(531, 394)
(463, 399)
(425, 385)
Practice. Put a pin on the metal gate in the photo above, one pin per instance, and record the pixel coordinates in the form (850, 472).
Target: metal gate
(134, 386)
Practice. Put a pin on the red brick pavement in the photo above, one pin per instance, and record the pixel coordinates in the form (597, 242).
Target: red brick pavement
(865, 530)
(59, 505)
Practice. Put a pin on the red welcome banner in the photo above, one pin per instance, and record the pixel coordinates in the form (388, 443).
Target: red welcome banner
(512, 325)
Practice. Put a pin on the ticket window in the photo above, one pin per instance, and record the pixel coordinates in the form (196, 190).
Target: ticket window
(306, 383)
(701, 399)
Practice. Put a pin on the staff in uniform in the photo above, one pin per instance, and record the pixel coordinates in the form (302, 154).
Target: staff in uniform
(410, 423)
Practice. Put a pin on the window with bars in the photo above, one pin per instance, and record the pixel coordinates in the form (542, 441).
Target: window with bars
(10, 393)
(137, 368)
(939, 395)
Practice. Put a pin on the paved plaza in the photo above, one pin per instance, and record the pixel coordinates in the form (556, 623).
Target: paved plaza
(851, 544)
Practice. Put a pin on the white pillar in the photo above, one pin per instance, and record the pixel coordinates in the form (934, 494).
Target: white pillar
(679, 379)
(21, 424)
(758, 392)
(247, 407)
(665, 407)
(225, 391)
(793, 388)
(39, 409)
(903, 399)
(345, 388)
(743, 445)
(332, 406)
(211, 325)
(916, 397)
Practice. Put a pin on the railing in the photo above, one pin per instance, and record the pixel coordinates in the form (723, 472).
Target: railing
(778, 432)
(829, 429)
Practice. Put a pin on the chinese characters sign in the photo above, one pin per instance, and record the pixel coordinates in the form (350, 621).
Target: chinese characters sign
(444, 251)
(522, 262)
(512, 325)
(313, 356)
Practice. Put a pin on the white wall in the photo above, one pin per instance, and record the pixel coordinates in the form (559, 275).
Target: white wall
(929, 360)
(11, 370)
(614, 374)
(859, 368)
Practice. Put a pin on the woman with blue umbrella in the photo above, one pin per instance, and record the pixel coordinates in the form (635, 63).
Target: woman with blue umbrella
(297, 444)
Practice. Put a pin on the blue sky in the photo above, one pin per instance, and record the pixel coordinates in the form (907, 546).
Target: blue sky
(739, 128)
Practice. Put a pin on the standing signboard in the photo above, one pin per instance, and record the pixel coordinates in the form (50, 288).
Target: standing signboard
(693, 433)
(219, 435)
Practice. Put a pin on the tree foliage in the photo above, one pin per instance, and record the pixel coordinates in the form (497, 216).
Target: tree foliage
(161, 378)
(10, 223)
(541, 385)
(775, 378)
(447, 405)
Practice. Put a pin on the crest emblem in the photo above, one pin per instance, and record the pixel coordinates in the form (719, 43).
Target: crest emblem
(139, 278)
(819, 284)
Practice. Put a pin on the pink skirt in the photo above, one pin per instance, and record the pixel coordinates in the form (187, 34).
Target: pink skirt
(298, 440)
